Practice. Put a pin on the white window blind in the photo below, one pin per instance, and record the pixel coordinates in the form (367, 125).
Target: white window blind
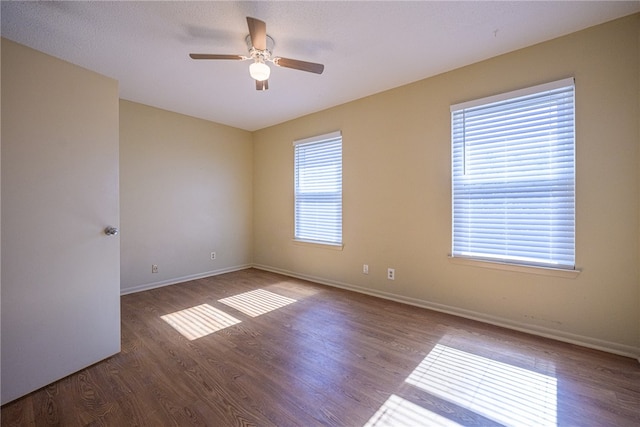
(513, 163)
(318, 189)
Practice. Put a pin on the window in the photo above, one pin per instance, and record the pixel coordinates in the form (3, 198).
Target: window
(318, 189)
(513, 159)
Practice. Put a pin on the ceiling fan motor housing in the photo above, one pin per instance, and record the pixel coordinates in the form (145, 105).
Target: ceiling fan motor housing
(257, 53)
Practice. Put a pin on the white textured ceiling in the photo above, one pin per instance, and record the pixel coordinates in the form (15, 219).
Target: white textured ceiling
(366, 47)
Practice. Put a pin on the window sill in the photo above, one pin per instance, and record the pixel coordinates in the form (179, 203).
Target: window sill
(321, 245)
(544, 271)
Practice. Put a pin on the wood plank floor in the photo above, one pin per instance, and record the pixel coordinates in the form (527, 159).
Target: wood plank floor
(253, 348)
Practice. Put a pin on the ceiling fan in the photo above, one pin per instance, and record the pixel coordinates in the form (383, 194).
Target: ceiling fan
(260, 46)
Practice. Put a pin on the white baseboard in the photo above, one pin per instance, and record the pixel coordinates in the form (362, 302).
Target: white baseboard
(584, 341)
(174, 281)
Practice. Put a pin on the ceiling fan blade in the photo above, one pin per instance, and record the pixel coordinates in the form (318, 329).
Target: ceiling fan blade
(213, 56)
(258, 33)
(262, 85)
(311, 67)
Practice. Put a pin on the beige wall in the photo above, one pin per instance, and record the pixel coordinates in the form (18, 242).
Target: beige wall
(186, 191)
(397, 194)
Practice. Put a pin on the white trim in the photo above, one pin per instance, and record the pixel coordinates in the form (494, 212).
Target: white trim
(514, 94)
(174, 281)
(581, 340)
(318, 138)
(520, 268)
(317, 244)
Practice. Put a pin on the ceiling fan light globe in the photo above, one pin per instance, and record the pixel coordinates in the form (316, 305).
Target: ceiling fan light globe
(259, 71)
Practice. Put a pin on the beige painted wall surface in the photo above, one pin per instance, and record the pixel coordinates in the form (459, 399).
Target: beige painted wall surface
(397, 194)
(60, 272)
(186, 191)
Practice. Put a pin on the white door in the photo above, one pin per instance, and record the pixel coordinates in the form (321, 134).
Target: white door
(60, 272)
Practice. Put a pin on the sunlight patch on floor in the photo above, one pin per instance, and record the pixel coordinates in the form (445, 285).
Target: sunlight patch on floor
(255, 303)
(397, 411)
(199, 321)
(504, 393)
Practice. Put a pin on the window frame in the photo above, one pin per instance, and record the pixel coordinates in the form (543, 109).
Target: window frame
(325, 179)
(475, 256)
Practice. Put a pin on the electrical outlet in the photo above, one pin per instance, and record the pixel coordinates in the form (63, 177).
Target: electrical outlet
(213, 255)
(391, 274)
(365, 269)
(154, 268)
